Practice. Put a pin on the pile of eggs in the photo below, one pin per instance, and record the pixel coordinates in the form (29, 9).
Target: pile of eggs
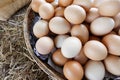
(87, 36)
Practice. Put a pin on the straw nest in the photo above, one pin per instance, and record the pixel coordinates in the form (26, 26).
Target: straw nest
(15, 62)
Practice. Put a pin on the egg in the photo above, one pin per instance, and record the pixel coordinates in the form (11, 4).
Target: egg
(92, 37)
(112, 42)
(41, 28)
(58, 58)
(81, 32)
(112, 32)
(44, 45)
(59, 25)
(73, 70)
(96, 3)
(86, 4)
(65, 3)
(75, 14)
(94, 70)
(112, 64)
(102, 26)
(46, 11)
(92, 15)
(81, 58)
(119, 32)
(59, 11)
(55, 4)
(59, 40)
(71, 47)
(36, 3)
(117, 20)
(49, 1)
(109, 7)
(95, 50)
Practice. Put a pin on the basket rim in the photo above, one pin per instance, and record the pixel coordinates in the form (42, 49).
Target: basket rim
(29, 48)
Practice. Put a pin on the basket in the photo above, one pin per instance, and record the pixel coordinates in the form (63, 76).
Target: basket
(54, 75)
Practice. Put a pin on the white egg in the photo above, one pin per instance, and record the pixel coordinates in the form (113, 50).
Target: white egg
(102, 26)
(94, 70)
(59, 40)
(71, 47)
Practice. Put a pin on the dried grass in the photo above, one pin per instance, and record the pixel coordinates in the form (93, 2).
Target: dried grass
(15, 62)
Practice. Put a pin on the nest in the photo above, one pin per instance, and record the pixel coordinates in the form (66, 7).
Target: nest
(15, 62)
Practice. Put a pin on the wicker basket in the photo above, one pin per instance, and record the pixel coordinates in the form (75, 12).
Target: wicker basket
(45, 67)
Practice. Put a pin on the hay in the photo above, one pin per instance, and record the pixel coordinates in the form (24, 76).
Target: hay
(15, 62)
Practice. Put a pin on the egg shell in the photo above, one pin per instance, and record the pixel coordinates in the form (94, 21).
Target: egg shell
(58, 58)
(44, 45)
(112, 64)
(49, 1)
(92, 37)
(71, 47)
(112, 32)
(81, 58)
(92, 14)
(46, 11)
(94, 70)
(73, 70)
(59, 40)
(112, 42)
(41, 28)
(55, 4)
(102, 26)
(59, 25)
(35, 4)
(75, 14)
(86, 4)
(119, 32)
(65, 3)
(117, 20)
(95, 50)
(96, 3)
(81, 32)
(59, 11)
(109, 7)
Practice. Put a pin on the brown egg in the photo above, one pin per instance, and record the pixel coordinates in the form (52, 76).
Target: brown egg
(49, 1)
(59, 11)
(73, 70)
(112, 64)
(81, 32)
(109, 7)
(117, 20)
(92, 15)
(36, 3)
(94, 38)
(41, 28)
(112, 42)
(81, 58)
(59, 40)
(102, 26)
(86, 4)
(119, 32)
(46, 11)
(44, 45)
(65, 3)
(59, 25)
(71, 47)
(58, 58)
(95, 50)
(112, 32)
(75, 14)
(94, 70)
